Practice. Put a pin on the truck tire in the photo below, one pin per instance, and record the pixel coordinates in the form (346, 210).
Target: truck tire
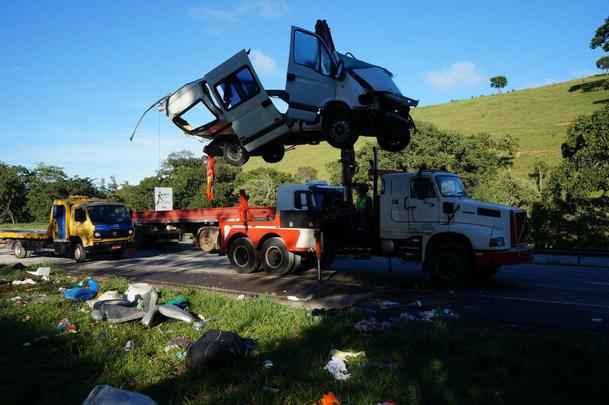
(449, 262)
(243, 255)
(118, 254)
(19, 250)
(207, 239)
(276, 258)
(339, 128)
(80, 254)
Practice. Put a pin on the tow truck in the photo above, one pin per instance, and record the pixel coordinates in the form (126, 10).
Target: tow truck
(79, 227)
(424, 216)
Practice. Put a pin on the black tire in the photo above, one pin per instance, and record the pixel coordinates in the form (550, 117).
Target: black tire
(243, 255)
(394, 134)
(339, 129)
(234, 154)
(207, 239)
(80, 254)
(276, 258)
(19, 250)
(273, 153)
(449, 262)
(118, 254)
(485, 273)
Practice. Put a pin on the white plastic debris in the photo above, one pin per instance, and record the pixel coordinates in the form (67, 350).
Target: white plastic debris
(108, 295)
(129, 346)
(267, 364)
(240, 297)
(27, 281)
(337, 365)
(295, 298)
(106, 395)
(136, 289)
(43, 272)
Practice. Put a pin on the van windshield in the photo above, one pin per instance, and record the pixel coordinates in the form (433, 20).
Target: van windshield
(109, 214)
(450, 186)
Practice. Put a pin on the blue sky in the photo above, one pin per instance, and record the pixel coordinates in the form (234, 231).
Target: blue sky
(76, 75)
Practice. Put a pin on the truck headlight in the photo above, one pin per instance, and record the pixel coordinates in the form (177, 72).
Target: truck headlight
(497, 242)
(130, 231)
(97, 235)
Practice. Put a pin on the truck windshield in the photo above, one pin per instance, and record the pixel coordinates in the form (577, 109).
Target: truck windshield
(326, 199)
(450, 186)
(109, 214)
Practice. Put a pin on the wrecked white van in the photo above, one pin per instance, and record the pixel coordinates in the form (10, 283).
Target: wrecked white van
(331, 97)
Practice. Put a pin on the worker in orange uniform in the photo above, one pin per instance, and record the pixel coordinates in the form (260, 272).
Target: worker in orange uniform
(244, 207)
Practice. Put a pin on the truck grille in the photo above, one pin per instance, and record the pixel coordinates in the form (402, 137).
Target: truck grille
(116, 233)
(518, 227)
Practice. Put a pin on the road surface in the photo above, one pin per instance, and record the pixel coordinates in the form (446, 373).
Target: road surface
(523, 296)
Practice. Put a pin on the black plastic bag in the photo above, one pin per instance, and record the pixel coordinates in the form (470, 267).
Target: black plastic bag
(217, 348)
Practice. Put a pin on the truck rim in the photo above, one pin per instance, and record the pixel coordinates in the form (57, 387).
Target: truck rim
(273, 257)
(241, 256)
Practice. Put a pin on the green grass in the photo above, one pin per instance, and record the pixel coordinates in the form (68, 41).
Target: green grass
(537, 117)
(436, 363)
(33, 225)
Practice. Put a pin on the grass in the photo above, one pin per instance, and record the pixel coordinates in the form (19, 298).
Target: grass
(537, 117)
(33, 225)
(435, 363)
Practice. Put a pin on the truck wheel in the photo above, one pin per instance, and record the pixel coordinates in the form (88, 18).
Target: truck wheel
(80, 254)
(207, 240)
(449, 262)
(118, 254)
(273, 153)
(19, 250)
(234, 154)
(243, 256)
(339, 128)
(276, 258)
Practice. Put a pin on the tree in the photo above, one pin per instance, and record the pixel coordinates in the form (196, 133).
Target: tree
(601, 37)
(539, 173)
(498, 82)
(261, 185)
(13, 190)
(305, 173)
(603, 63)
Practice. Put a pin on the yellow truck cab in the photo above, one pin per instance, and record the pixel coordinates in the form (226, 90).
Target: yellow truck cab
(78, 227)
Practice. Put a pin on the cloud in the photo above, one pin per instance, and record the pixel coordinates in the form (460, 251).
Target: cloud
(260, 8)
(263, 64)
(460, 74)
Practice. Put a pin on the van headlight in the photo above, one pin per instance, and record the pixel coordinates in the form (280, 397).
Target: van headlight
(130, 231)
(97, 235)
(497, 242)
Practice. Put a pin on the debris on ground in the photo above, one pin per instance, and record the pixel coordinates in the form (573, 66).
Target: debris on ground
(179, 301)
(387, 403)
(295, 298)
(85, 290)
(372, 325)
(178, 343)
(65, 326)
(43, 272)
(27, 281)
(175, 312)
(41, 339)
(136, 289)
(106, 296)
(108, 395)
(129, 346)
(329, 399)
(389, 304)
(27, 344)
(267, 364)
(428, 315)
(268, 388)
(26, 318)
(216, 348)
(18, 266)
(337, 365)
(240, 297)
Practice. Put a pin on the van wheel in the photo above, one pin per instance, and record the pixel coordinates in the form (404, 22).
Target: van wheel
(80, 254)
(394, 134)
(273, 153)
(339, 129)
(449, 262)
(276, 258)
(19, 250)
(234, 154)
(243, 256)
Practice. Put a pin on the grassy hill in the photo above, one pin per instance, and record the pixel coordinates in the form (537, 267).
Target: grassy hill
(537, 117)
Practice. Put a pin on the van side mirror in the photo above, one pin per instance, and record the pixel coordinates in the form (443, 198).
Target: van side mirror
(448, 207)
(339, 69)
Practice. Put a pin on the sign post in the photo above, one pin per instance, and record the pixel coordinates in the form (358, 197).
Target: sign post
(163, 198)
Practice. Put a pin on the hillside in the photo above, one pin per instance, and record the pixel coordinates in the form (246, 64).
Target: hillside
(537, 117)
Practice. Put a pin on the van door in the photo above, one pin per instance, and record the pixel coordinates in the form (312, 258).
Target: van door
(245, 103)
(310, 82)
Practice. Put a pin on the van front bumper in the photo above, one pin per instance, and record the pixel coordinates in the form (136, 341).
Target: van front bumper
(487, 258)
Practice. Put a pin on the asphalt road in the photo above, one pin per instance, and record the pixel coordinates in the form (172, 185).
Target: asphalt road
(523, 296)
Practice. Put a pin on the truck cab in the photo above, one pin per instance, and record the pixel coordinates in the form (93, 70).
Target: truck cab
(429, 216)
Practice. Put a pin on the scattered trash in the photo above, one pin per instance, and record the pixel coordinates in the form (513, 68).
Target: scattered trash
(107, 395)
(106, 296)
(295, 298)
(27, 281)
(217, 348)
(18, 266)
(26, 318)
(20, 302)
(17, 298)
(428, 315)
(387, 403)
(267, 364)
(329, 399)
(136, 289)
(41, 339)
(179, 301)
(241, 297)
(65, 326)
(129, 346)
(85, 290)
(43, 272)
(178, 342)
(175, 312)
(27, 344)
(337, 366)
(597, 319)
(270, 389)
(389, 304)
(180, 355)
(372, 325)
(61, 289)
